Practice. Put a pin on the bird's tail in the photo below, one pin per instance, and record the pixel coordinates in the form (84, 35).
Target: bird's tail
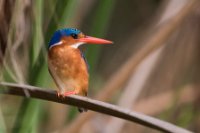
(81, 110)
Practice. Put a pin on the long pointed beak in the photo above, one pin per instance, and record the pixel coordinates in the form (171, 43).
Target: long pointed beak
(94, 40)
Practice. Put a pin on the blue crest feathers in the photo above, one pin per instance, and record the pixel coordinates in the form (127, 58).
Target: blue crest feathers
(60, 33)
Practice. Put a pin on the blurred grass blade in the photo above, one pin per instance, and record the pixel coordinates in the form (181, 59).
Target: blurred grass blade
(37, 31)
(28, 118)
(28, 115)
(69, 14)
(99, 26)
(2, 123)
(38, 71)
(8, 74)
(64, 16)
(30, 111)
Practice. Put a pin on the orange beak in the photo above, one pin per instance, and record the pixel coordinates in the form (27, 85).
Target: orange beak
(94, 40)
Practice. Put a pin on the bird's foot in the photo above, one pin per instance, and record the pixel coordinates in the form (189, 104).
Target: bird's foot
(63, 95)
(69, 93)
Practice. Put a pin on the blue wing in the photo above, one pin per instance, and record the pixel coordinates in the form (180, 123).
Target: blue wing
(83, 56)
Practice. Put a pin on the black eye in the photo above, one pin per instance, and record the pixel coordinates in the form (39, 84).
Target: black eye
(75, 36)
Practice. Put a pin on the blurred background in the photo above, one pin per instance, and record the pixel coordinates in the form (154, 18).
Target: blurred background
(153, 66)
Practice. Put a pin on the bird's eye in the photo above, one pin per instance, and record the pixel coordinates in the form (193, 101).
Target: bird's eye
(75, 36)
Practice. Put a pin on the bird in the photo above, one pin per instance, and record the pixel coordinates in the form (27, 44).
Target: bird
(67, 64)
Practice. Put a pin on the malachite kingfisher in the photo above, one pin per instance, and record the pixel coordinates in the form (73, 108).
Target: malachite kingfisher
(67, 64)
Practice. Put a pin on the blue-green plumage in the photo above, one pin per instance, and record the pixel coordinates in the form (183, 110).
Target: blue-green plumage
(60, 33)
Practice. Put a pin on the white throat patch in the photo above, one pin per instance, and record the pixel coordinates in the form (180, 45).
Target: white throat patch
(76, 45)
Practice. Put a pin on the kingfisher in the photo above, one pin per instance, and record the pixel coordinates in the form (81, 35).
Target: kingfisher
(67, 64)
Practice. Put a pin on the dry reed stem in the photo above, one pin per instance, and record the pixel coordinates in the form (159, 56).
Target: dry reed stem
(165, 100)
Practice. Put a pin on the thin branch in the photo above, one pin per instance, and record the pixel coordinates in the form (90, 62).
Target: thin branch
(98, 106)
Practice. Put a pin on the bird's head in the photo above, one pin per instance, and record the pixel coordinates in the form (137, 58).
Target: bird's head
(74, 38)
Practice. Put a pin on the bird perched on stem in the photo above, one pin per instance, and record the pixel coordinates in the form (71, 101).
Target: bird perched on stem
(66, 62)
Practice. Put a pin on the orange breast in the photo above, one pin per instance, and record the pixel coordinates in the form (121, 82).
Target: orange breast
(68, 69)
